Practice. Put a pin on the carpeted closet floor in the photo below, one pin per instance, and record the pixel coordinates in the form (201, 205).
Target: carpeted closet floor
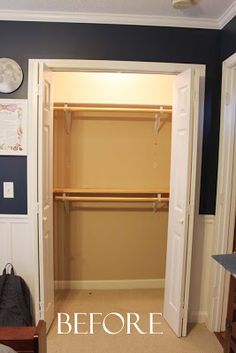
(199, 339)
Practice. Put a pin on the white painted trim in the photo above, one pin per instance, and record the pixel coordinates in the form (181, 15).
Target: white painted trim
(14, 218)
(111, 284)
(226, 195)
(198, 110)
(119, 66)
(120, 19)
(228, 15)
(32, 171)
(206, 219)
(201, 260)
(229, 63)
(109, 18)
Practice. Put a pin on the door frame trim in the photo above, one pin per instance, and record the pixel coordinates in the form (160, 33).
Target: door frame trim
(97, 66)
(225, 198)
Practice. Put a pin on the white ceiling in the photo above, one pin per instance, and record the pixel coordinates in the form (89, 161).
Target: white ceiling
(207, 13)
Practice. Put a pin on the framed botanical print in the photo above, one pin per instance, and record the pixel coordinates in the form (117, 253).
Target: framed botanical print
(13, 126)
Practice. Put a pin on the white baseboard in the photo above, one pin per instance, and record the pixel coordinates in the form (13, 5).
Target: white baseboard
(111, 284)
(198, 316)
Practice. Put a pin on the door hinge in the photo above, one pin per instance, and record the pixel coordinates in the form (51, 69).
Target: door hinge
(41, 309)
(227, 98)
(182, 312)
(189, 209)
(37, 208)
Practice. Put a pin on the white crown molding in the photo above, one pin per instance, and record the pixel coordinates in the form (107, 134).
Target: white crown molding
(109, 18)
(228, 15)
(123, 19)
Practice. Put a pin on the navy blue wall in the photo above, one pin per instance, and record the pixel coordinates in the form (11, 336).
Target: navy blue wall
(14, 169)
(24, 40)
(228, 39)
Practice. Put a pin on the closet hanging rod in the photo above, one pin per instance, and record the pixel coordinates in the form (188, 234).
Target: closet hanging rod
(109, 191)
(113, 109)
(112, 199)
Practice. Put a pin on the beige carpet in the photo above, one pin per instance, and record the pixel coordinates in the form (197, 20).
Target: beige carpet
(199, 339)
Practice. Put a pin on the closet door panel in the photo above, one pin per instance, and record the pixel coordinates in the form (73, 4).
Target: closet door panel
(179, 230)
(45, 196)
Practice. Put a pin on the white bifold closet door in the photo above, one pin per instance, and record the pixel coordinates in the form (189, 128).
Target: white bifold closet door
(182, 199)
(45, 195)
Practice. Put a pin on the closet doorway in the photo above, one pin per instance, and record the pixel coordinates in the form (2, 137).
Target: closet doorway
(108, 167)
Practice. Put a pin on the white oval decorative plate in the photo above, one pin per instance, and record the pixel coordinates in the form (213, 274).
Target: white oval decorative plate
(11, 75)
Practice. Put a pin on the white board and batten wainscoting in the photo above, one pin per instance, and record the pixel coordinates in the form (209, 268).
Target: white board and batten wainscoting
(16, 246)
(15, 240)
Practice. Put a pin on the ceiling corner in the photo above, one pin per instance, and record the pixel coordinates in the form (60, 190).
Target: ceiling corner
(228, 15)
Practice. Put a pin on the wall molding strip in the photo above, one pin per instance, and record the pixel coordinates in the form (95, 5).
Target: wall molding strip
(206, 219)
(112, 18)
(13, 218)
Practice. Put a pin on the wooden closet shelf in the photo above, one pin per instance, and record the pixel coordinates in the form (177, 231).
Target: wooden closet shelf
(95, 191)
(112, 199)
(113, 108)
(112, 195)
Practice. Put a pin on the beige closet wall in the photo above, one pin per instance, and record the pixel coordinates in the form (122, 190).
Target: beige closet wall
(111, 88)
(110, 241)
